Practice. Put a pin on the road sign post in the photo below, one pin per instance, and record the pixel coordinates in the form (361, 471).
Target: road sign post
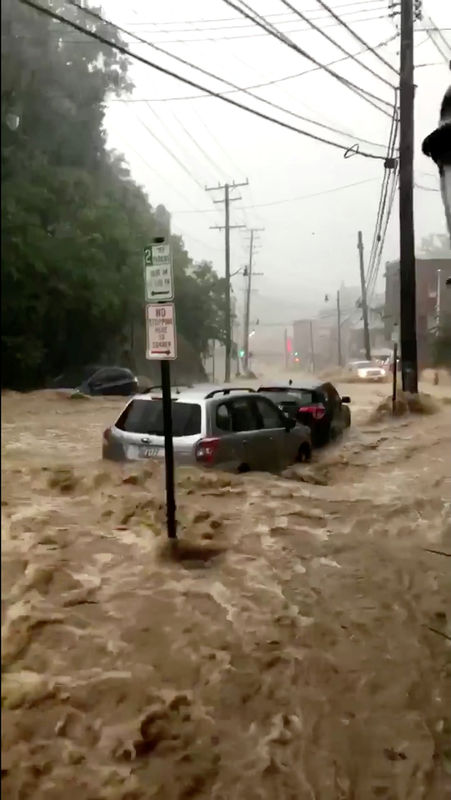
(161, 345)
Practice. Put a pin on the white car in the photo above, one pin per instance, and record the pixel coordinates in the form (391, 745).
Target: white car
(367, 370)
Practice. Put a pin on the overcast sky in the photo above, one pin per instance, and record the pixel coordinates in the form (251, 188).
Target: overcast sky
(309, 243)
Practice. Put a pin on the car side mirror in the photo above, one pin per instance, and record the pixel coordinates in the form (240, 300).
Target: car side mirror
(290, 423)
(346, 399)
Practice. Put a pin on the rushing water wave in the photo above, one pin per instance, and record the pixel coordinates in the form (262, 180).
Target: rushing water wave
(294, 645)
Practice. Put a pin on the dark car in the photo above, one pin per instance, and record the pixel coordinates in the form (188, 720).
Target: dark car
(118, 381)
(312, 403)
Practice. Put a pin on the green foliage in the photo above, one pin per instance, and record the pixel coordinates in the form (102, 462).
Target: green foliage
(74, 223)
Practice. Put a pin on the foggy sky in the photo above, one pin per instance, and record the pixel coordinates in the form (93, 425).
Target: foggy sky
(309, 245)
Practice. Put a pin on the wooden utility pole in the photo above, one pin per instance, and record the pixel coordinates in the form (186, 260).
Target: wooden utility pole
(247, 304)
(366, 329)
(227, 228)
(409, 363)
(340, 360)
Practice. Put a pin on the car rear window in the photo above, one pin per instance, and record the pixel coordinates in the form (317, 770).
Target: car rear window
(304, 396)
(146, 416)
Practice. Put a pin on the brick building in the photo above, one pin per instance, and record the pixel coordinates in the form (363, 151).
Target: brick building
(431, 275)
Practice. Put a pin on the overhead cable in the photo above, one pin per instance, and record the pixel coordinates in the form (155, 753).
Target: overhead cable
(354, 34)
(125, 51)
(336, 44)
(255, 85)
(386, 199)
(187, 63)
(365, 3)
(362, 93)
(287, 200)
(207, 39)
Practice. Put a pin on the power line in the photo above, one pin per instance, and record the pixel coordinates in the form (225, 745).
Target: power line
(394, 186)
(171, 153)
(181, 146)
(288, 199)
(336, 44)
(151, 168)
(268, 16)
(256, 85)
(438, 40)
(354, 34)
(125, 51)
(222, 38)
(184, 61)
(426, 188)
(389, 171)
(207, 157)
(363, 94)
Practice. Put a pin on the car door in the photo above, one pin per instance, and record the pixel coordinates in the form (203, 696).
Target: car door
(247, 427)
(279, 446)
(231, 453)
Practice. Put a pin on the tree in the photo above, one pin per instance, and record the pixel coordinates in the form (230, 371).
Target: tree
(74, 224)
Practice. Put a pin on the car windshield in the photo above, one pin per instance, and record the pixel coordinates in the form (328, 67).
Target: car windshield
(364, 364)
(146, 416)
(303, 396)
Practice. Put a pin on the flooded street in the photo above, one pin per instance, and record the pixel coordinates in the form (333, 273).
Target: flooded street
(296, 646)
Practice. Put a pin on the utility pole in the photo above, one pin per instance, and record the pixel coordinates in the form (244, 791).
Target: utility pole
(285, 347)
(409, 362)
(339, 329)
(312, 348)
(366, 329)
(247, 304)
(227, 228)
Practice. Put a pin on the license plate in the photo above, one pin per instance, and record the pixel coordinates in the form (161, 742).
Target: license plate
(151, 452)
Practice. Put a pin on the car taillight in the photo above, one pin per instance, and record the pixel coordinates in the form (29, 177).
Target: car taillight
(206, 449)
(107, 434)
(317, 412)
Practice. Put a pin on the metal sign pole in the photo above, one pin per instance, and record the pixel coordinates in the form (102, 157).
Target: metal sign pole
(168, 450)
(162, 346)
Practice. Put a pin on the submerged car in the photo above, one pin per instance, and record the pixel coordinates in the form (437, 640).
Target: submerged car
(313, 403)
(367, 370)
(232, 429)
(118, 381)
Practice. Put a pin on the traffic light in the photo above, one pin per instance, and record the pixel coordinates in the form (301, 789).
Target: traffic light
(241, 353)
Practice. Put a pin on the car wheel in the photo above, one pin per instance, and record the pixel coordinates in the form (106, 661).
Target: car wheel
(243, 468)
(305, 454)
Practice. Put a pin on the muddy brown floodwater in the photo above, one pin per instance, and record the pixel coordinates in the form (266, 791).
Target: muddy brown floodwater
(296, 646)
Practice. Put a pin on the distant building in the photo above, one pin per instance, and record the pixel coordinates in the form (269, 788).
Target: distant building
(320, 335)
(433, 298)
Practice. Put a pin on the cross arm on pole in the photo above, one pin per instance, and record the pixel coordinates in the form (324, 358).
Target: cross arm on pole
(222, 227)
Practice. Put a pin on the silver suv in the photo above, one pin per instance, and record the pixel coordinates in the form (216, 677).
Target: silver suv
(229, 428)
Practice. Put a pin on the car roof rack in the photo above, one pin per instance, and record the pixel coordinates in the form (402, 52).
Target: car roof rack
(173, 388)
(227, 391)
